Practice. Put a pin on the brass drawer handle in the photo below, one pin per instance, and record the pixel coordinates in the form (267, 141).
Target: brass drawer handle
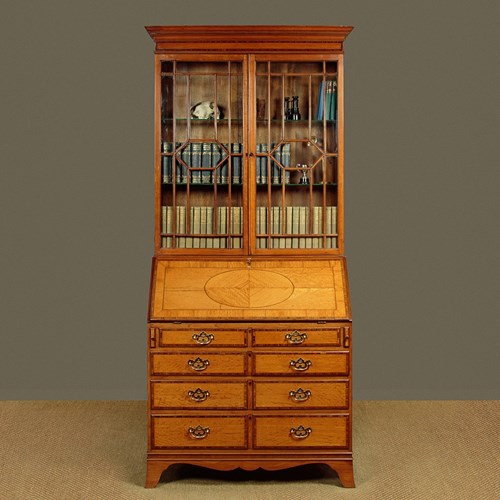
(203, 338)
(198, 396)
(199, 432)
(300, 432)
(296, 337)
(300, 365)
(198, 364)
(300, 395)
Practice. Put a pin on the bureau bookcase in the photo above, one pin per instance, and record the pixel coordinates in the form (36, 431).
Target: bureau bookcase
(249, 321)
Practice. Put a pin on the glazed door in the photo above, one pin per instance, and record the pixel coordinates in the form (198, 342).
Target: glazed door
(296, 115)
(200, 151)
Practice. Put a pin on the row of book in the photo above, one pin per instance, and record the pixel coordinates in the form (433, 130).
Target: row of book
(199, 227)
(266, 171)
(222, 227)
(327, 100)
(296, 227)
(203, 157)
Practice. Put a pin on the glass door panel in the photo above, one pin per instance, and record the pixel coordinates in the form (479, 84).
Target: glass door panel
(202, 154)
(296, 168)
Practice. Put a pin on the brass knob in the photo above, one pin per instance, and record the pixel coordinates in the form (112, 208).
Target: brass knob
(199, 432)
(296, 337)
(300, 395)
(203, 338)
(300, 432)
(198, 364)
(300, 365)
(198, 396)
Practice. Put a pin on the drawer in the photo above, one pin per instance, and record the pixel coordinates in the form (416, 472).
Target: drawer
(301, 335)
(201, 336)
(303, 431)
(201, 363)
(302, 363)
(302, 394)
(198, 432)
(196, 395)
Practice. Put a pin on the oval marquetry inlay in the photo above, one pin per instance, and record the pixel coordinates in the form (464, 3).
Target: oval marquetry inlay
(249, 288)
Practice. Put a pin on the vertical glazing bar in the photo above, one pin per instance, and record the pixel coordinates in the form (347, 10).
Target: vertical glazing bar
(229, 157)
(324, 163)
(309, 109)
(311, 172)
(339, 127)
(188, 176)
(215, 107)
(268, 149)
(175, 239)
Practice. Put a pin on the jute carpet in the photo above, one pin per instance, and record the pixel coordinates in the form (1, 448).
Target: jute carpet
(436, 450)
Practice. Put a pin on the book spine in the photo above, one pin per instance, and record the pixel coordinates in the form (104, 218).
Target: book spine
(285, 160)
(196, 161)
(236, 227)
(166, 162)
(209, 227)
(295, 226)
(316, 229)
(219, 153)
(215, 159)
(206, 160)
(276, 169)
(288, 226)
(203, 226)
(236, 164)
(163, 226)
(275, 224)
(331, 226)
(181, 227)
(302, 226)
(169, 226)
(178, 167)
(186, 157)
(223, 226)
(258, 165)
(321, 97)
(264, 172)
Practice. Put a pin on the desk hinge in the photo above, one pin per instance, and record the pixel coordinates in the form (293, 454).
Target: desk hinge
(152, 337)
(347, 338)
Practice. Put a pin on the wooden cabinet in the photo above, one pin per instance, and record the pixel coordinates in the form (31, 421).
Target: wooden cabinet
(249, 321)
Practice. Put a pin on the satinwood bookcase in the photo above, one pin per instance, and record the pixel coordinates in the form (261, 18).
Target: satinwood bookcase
(249, 322)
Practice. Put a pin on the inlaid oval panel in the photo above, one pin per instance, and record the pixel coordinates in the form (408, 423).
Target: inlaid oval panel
(249, 288)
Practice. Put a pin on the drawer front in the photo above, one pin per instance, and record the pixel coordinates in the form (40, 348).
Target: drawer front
(198, 395)
(300, 336)
(302, 432)
(204, 337)
(302, 394)
(198, 432)
(198, 363)
(302, 363)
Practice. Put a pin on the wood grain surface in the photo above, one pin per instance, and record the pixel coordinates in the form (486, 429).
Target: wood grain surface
(317, 290)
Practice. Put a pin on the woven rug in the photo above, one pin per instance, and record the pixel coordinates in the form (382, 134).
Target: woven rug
(429, 450)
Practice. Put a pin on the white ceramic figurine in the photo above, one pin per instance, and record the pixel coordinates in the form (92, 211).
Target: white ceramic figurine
(205, 110)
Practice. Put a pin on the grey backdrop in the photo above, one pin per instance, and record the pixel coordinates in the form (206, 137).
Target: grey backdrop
(422, 174)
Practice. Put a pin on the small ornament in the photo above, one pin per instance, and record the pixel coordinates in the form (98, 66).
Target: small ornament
(305, 177)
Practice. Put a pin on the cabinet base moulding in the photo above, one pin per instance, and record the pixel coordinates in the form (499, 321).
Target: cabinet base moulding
(343, 467)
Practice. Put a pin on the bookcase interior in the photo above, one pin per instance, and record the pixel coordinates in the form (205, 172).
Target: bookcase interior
(218, 167)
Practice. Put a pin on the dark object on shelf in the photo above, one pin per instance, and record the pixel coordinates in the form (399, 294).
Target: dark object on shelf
(295, 114)
(261, 109)
(288, 109)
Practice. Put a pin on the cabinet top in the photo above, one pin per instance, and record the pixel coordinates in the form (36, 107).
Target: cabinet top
(248, 38)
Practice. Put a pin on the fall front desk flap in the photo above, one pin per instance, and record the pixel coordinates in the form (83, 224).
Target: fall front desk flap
(255, 290)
